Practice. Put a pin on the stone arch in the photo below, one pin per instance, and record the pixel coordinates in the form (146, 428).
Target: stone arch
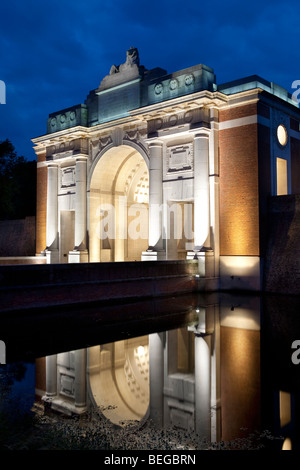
(101, 153)
(118, 217)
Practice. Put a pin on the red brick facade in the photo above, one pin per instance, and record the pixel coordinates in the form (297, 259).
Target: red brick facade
(239, 192)
(237, 112)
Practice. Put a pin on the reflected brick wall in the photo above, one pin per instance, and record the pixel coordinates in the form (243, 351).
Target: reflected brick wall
(240, 382)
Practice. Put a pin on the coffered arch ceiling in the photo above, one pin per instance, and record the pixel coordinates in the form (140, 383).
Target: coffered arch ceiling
(121, 170)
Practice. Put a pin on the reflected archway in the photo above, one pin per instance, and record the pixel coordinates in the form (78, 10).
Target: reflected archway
(119, 379)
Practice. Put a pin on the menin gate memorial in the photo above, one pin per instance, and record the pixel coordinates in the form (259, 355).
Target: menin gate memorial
(156, 165)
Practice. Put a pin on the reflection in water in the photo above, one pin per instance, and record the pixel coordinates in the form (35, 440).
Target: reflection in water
(203, 377)
(119, 379)
(208, 374)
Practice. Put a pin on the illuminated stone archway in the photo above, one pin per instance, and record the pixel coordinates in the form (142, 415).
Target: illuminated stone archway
(118, 205)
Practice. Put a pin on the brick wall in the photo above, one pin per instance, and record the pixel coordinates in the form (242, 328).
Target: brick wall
(240, 380)
(237, 112)
(295, 165)
(282, 264)
(239, 193)
(264, 157)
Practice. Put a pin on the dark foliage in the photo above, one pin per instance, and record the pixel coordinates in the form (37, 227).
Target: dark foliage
(17, 184)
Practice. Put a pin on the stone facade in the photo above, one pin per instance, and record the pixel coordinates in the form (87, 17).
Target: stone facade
(167, 166)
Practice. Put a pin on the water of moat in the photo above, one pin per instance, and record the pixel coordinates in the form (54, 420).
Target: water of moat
(250, 369)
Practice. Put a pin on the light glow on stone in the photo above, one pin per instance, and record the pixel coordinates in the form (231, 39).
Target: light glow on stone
(141, 351)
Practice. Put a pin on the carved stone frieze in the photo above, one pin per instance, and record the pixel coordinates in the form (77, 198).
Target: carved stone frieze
(136, 135)
(67, 148)
(97, 144)
(184, 117)
(118, 136)
(132, 134)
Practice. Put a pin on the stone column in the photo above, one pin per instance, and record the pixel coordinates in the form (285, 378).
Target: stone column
(155, 250)
(52, 214)
(51, 376)
(202, 386)
(80, 253)
(156, 368)
(80, 379)
(201, 190)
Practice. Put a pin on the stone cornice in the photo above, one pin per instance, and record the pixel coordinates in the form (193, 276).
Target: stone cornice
(186, 102)
(243, 98)
(202, 99)
(80, 132)
(45, 140)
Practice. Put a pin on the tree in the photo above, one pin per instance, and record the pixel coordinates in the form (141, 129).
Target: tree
(17, 184)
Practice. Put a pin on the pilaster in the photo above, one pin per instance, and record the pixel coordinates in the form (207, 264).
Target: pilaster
(51, 378)
(51, 250)
(156, 370)
(156, 247)
(80, 253)
(201, 190)
(80, 379)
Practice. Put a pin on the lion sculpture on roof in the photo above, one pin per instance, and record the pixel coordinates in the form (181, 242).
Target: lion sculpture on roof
(132, 58)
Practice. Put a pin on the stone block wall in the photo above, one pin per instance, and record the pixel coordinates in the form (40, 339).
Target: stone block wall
(17, 237)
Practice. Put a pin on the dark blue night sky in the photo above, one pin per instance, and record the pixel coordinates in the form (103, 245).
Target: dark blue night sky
(54, 52)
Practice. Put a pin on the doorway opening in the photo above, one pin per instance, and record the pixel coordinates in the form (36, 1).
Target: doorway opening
(118, 206)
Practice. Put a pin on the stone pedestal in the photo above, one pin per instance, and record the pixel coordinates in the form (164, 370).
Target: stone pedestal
(153, 255)
(52, 256)
(77, 256)
(205, 262)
